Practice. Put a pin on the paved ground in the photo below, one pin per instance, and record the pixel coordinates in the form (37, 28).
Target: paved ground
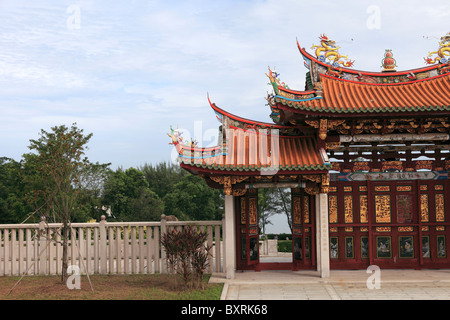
(341, 285)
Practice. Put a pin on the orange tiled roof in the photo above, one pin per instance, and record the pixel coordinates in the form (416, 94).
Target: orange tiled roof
(342, 96)
(249, 150)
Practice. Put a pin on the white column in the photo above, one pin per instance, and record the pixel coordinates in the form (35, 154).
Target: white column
(317, 206)
(323, 245)
(230, 238)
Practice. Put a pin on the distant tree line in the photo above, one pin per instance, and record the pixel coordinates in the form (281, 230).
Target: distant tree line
(133, 194)
(56, 175)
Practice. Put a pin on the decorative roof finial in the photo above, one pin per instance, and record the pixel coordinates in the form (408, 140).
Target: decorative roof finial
(388, 63)
(329, 51)
(444, 50)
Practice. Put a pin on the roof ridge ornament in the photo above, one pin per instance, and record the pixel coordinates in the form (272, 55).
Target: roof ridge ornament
(275, 81)
(327, 52)
(388, 63)
(442, 52)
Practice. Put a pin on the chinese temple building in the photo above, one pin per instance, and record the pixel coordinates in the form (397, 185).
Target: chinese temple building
(365, 154)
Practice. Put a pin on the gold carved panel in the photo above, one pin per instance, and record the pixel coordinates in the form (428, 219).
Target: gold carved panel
(296, 210)
(348, 209)
(243, 211)
(382, 209)
(306, 209)
(363, 210)
(332, 209)
(424, 215)
(440, 213)
(252, 211)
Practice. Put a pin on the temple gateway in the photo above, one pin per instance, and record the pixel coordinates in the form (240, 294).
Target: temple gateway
(365, 155)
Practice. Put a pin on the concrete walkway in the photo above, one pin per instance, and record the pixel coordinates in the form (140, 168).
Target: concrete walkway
(341, 285)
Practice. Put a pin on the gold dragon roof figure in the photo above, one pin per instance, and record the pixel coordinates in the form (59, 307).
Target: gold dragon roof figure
(441, 53)
(328, 52)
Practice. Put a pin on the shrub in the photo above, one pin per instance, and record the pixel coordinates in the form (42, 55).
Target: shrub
(284, 245)
(187, 254)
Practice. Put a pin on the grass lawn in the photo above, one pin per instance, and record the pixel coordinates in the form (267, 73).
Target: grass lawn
(115, 287)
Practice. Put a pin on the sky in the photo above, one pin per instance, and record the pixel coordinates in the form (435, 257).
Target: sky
(128, 70)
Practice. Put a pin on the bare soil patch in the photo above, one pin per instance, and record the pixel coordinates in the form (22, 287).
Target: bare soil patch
(112, 287)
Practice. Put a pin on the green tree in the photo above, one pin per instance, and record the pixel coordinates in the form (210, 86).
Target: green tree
(162, 176)
(128, 195)
(92, 179)
(15, 184)
(60, 162)
(192, 199)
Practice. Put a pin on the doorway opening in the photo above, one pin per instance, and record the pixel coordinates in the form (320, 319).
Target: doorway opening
(290, 247)
(275, 220)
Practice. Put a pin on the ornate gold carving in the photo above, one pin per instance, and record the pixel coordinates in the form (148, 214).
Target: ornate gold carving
(227, 185)
(404, 188)
(337, 167)
(424, 164)
(325, 183)
(237, 179)
(297, 214)
(306, 209)
(252, 211)
(312, 190)
(313, 178)
(239, 192)
(382, 209)
(332, 209)
(348, 209)
(218, 179)
(332, 124)
(440, 208)
(323, 129)
(227, 182)
(382, 188)
(363, 210)
(313, 123)
(332, 145)
(361, 166)
(391, 165)
(243, 210)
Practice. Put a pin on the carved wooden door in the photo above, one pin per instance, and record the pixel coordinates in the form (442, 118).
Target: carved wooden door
(302, 229)
(248, 230)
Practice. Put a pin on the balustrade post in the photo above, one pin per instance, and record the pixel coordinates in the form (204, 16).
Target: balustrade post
(42, 246)
(102, 245)
(163, 250)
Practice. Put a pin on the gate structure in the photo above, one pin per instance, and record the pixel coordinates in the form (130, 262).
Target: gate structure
(366, 155)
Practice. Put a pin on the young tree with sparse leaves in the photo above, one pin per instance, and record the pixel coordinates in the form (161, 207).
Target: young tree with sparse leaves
(60, 161)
